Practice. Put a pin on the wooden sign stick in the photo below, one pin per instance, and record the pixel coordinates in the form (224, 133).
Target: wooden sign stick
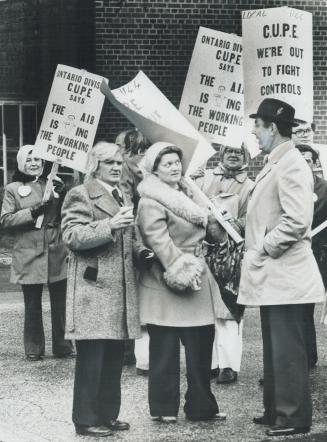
(216, 212)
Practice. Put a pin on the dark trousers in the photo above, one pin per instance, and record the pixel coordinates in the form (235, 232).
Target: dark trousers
(287, 399)
(33, 324)
(98, 371)
(164, 371)
(129, 355)
(310, 334)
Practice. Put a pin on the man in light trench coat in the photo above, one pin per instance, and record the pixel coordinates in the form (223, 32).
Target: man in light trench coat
(279, 271)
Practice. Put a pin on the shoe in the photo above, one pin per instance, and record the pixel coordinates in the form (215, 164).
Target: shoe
(261, 382)
(116, 425)
(278, 430)
(261, 420)
(226, 376)
(165, 419)
(100, 431)
(214, 373)
(218, 417)
(33, 358)
(142, 372)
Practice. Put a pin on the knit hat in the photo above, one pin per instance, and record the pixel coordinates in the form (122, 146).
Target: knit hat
(152, 153)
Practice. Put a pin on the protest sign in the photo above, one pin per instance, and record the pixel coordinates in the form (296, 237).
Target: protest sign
(158, 119)
(71, 118)
(277, 59)
(212, 98)
(153, 114)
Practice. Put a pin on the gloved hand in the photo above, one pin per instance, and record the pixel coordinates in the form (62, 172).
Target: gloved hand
(59, 187)
(39, 208)
(215, 233)
(146, 258)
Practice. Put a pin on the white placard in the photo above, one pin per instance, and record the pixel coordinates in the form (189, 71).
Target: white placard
(153, 114)
(212, 98)
(158, 119)
(71, 118)
(322, 150)
(277, 59)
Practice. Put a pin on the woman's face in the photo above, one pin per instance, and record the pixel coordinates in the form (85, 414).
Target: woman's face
(169, 169)
(33, 166)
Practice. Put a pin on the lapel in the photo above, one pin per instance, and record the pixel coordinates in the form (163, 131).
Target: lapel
(273, 159)
(101, 198)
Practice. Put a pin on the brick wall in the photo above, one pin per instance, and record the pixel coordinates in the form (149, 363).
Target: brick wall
(158, 38)
(36, 35)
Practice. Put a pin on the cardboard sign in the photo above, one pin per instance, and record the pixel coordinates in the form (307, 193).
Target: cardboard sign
(212, 98)
(158, 119)
(153, 114)
(71, 118)
(277, 59)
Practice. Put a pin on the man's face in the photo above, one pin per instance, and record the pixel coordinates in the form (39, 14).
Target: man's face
(303, 134)
(308, 158)
(109, 171)
(233, 158)
(264, 135)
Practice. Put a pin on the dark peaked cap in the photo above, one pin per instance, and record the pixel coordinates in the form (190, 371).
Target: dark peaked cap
(277, 111)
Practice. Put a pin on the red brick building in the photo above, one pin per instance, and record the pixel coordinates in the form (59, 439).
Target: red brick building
(118, 38)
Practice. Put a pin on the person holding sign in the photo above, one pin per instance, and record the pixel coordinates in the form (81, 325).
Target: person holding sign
(279, 271)
(133, 144)
(228, 187)
(39, 255)
(178, 294)
(102, 301)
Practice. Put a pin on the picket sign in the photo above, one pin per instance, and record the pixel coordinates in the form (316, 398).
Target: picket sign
(155, 131)
(47, 192)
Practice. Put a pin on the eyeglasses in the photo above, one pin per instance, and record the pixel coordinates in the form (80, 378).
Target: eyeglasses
(302, 132)
(230, 151)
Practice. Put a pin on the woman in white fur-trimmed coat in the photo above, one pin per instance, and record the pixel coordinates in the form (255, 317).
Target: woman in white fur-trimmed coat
(178, 294)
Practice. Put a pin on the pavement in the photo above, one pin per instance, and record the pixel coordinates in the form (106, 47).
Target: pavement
(36, 397)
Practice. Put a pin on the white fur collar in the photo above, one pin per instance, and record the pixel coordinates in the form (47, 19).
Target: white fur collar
(178, 202)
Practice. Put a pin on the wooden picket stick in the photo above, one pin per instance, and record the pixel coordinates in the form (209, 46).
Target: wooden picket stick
(47, 192)
(319, 228)
(216, 212)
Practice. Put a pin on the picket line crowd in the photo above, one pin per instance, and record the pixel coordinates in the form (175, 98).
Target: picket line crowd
(133, 253)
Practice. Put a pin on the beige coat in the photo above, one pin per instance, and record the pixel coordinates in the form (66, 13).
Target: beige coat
(102, 300)
(231, 193)
(39, 255)
(279, 266)
(173, 226)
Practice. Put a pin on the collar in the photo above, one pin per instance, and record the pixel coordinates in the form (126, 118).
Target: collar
(276, 154)
(179, 202)
(240, 175)
(108, 187)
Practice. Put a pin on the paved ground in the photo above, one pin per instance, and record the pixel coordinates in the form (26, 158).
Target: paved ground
(36, 398)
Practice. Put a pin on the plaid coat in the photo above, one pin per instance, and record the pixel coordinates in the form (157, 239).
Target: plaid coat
(102, 299)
